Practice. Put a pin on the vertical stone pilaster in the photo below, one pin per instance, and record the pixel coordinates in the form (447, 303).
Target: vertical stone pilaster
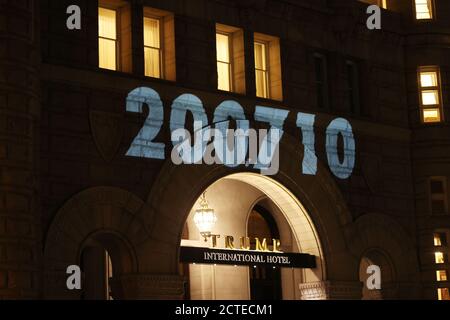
(19, 113)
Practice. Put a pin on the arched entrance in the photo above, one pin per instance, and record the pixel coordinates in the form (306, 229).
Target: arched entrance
(311, 207)
(255, 206)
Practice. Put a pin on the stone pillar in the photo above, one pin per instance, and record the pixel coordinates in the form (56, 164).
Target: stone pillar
(149, 287)
(20, 248)
(331, 290)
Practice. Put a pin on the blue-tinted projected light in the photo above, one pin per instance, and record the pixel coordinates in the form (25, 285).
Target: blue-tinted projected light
(270, 145)
(344, 169)
(230, 147)
(305, 122)
(143, 145)
(237, 155)
(181, 105)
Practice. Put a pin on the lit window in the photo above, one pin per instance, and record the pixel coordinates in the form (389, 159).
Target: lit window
(438, 195)
(114, 35)
(159, 44)
(268, 77)
(441, 275)
(152, 47)
(224, 66)
(107, 38)
(424, 9)
(439, 257)
(320, 65)
(261, 69)
(440, 239)
(443, 294)
(230, 56)
(430, 95)
(380, 3)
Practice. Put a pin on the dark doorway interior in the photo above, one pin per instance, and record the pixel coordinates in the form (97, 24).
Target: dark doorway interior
(97, 272)
(265, 282)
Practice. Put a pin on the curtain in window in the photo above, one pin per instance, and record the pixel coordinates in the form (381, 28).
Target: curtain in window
(152, 50)
(107, 43)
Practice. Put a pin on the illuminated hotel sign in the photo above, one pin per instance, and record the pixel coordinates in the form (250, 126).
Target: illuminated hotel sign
(216, 144)
(246, 258)
(260, 254)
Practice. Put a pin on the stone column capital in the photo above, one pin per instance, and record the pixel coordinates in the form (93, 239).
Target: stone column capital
(331, 290)
(148, 287)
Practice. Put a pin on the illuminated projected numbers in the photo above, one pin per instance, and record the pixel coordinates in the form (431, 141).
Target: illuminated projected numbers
(144, 146)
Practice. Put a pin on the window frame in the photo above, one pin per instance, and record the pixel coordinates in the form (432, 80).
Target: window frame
(439, 293)
(443, 179)
(442, 236)
(231, 60)
(438, 278)
(118, 36)
(161, 44)
(325, 82)
(267, 71)
(438, 88)
(432, 12)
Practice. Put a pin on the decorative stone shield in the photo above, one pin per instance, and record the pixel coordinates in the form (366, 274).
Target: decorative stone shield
(107, 131)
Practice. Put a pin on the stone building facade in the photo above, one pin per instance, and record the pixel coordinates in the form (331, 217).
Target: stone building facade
(66, 182)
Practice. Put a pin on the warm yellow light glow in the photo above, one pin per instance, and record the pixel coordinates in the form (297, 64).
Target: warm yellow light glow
(152, 47)
(428, 79)
(262, 90)
(443, 294)
(437, 240)
(223, 61)
(107, 23)
(431, 115)
(384, 4)
(430, 97)
(205, 218)
(109, 275)
(430, 94)
(107, 41)
(423, 9)
(439, 257)
(441, 275)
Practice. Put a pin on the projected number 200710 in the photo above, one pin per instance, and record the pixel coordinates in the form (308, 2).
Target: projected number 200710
(144, 146)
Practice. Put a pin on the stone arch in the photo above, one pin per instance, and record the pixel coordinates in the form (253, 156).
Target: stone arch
(377, 257)
(374, 232)
(108, 215)
(319, 195)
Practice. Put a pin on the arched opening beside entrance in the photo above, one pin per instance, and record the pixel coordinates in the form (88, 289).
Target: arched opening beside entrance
(241, 201)
(103, 255)
(376, 257)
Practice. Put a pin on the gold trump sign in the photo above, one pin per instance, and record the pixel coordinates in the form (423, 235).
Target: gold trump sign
(245, 243)
(246, 254)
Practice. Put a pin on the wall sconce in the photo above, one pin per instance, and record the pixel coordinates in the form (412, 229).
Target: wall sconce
(205, 218)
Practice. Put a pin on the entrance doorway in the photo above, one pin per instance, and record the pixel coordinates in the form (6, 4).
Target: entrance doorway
(265, 281)
(254, 206)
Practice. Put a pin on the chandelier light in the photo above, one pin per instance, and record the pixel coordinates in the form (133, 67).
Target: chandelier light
(205, 218)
